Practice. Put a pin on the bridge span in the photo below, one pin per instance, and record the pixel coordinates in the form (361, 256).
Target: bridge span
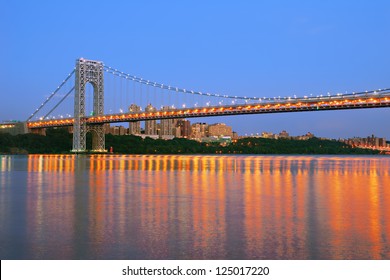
(335, 102)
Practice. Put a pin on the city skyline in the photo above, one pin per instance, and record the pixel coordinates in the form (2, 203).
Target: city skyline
(256, 49)
(150, 108)
(204, 131)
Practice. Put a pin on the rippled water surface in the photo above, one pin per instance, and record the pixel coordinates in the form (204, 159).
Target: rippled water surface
(194, 207)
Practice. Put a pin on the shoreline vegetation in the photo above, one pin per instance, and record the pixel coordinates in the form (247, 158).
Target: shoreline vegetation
(59, 141)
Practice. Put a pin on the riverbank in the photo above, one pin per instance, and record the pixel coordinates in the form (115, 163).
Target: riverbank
(59, 141)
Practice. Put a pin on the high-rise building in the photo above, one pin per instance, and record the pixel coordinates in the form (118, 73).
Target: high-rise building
(107, 128)
(382, 142)
(284, 134)
(150, 126)
(185, 128)
(117, 130)
(177, 132)
(219, 130)
(134, 127)
(370, 141)
(199, 131)
(167, 125)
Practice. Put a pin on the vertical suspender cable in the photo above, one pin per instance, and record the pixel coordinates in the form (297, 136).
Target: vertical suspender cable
(140, 95)
(161, 98)
(127, 94)
(122, 107)
(169, 98)
(147, 94)
(154, 96)
(134, 95)
(115, 108)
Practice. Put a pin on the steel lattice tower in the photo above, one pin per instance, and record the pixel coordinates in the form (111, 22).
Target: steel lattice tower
(88, 71)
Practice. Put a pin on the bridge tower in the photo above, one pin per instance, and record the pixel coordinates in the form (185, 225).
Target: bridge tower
(88, 71)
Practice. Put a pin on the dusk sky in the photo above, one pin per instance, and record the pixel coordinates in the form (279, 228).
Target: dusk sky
(244, 48)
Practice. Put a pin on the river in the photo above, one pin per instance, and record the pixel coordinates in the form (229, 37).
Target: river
(194, 207)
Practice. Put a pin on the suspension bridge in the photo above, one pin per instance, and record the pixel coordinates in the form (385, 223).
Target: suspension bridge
(79, 101)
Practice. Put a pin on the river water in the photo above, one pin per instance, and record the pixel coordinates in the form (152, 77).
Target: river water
(194, 207)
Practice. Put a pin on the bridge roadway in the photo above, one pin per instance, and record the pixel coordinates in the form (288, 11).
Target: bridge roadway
(335, 102)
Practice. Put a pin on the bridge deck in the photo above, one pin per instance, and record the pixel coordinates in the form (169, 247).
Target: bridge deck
(286, 105)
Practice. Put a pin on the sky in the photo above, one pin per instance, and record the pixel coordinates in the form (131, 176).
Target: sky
(244, 48)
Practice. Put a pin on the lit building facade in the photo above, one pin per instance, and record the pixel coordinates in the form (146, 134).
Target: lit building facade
(116, 130)
(199, 131)
(371, 141)
(219, 130)
(167, 125)
(184, 127)
(150, 126)
(134, 127)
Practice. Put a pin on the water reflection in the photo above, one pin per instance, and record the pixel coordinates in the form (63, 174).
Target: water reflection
(194, 207)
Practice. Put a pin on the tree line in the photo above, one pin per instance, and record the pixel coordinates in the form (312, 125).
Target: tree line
(59, 141)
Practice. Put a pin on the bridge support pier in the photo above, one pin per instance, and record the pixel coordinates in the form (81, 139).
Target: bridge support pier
(88, 71)
(98, 138)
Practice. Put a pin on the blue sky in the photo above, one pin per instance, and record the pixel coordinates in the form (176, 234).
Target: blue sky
(246, 48)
